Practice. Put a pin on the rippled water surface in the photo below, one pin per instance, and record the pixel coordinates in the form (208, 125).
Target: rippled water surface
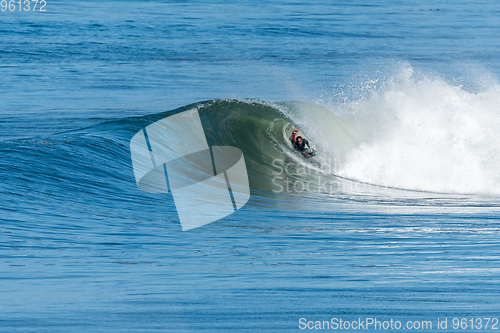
(401, 100)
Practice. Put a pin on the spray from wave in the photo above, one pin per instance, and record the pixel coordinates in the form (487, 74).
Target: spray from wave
(420, 132)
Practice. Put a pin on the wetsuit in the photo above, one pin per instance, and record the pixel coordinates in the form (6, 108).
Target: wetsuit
(303, 148)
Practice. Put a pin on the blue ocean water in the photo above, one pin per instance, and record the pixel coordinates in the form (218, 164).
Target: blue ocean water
(402, 97)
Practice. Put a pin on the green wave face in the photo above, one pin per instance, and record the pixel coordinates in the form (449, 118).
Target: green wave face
(262, 131)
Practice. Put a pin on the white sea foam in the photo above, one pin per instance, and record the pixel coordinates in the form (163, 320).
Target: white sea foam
(423, 133)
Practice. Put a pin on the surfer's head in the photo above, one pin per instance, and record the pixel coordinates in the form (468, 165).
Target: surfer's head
(299, 140)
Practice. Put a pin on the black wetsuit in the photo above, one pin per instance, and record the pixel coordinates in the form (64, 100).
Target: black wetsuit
(303, 147)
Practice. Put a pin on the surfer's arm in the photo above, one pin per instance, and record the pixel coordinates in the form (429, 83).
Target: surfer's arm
(293, 134)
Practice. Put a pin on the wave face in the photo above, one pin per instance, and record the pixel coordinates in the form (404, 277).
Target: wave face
(94, 165)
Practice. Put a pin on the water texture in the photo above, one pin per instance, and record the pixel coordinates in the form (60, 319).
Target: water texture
(397, 217)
